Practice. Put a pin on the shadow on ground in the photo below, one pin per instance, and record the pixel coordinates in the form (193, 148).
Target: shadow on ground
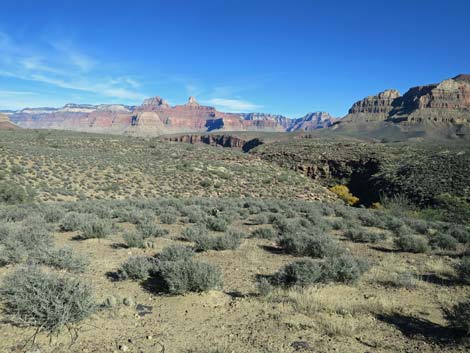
(419, 328)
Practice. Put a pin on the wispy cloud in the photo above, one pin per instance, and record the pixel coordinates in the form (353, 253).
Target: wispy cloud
(233, 105)
(61, 65)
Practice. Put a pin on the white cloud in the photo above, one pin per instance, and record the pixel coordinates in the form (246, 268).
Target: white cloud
(61, 65)
(233, 105)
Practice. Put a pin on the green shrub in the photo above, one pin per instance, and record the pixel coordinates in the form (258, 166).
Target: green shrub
(134, 240)
(149, 229)
(194, 232)
(193, 213)
(229, 241)
(443, 241)
(137, 267)
(364, 236)
(463, 270)
(11, 193)
(259, 219)
(461, 234)
(65, 259)
(46, 300)
(263, 233)
(94, 227)
(343, 268)
(29, 242)
(168, 218)
(459, 318)
(217, 224)
(204, 242)
(299, 273)
(411, 243)
(317, 245)
(53, 214)
(176, 253)
(180, 277)
(71, 222)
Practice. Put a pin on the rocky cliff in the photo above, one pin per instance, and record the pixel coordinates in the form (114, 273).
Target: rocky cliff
(156, 117)
(447, 102)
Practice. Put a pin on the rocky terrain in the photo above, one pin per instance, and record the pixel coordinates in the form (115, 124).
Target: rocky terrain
(447, 102)
(5, 123)
(428, 174)
(156, 117)
(113, 243)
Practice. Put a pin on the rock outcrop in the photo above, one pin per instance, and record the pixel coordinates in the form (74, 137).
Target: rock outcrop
(373, 108)
(6, 124)
(230, 141)
(447, 102)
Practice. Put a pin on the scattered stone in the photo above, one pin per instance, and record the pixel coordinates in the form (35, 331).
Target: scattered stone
(300, 345)
(128, 301)
(111, 301)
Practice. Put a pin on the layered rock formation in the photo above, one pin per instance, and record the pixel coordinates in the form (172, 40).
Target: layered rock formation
(156, 117)
(312, 121)
(447, 102)
(6, 124)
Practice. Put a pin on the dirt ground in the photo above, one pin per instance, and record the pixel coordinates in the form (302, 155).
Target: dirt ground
(366, 317)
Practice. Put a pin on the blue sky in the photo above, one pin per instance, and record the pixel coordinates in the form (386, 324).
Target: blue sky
(286, 57)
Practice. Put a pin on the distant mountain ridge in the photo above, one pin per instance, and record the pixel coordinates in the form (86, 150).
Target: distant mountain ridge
(155, 116)
(435, 109)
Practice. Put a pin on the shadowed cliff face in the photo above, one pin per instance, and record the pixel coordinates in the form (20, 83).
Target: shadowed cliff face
(228, 141)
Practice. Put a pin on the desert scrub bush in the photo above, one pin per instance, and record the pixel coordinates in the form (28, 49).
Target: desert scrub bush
(149, 229)
(137, 267)
(343, 268)
(180, 277)
(71, 222)
(443, 241)
(93, 227)
(48, 301)
(134, 240)
(52, 213)
(260, 218)
(411, 243)
(460, 233)
(217, 224)
(344, 194)
(176, 253)
(263, 233)
(229, 241)
(303, 272)
(65, 259)
(316, 245)
(364, 235)
(463, 270)
(29, 241)
(406, 280)
(168, 218)
(458, 317)
(397, 204)
(194, 232)
(12, 193)
(193, 213)
(371, 219)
